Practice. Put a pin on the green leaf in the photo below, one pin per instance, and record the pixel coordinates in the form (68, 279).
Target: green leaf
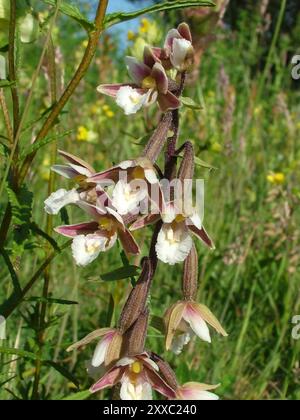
(34, 227)
(64, 372)
(78, 396)
(190, 103)
(51, 301)
(13, 274)
(41, 143)
(121, 273)
(18, 352)
(115, 18)
(200, 162)
(73, 12)
(6, 83)
(64, 216)
(21, 205)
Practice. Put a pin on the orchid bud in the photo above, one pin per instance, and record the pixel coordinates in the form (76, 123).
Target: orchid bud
(187, 167)
(137, 299)
(190, 276)
(158, 139)
(135, 337)
(166, 371)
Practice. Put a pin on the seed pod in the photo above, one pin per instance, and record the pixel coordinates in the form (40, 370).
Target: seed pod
(135, 337)
(190, 276)
(187, 167)
(158, 139)
(165, 371)
(137, 299)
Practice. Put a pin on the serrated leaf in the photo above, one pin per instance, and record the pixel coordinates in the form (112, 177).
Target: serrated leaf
(18, 352)
(115, 18)
(21, 205)
(121, 273)
(41, 143)
(73, 12)
(78, 396)
(190, 103)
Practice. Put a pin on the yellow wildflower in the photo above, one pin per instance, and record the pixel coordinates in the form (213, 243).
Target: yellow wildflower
(82, 133)
(110, 114)
(131, 36)
(145, 25)
(277, 178)
(45, 169)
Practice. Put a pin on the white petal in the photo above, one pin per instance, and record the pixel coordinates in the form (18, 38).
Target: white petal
(196, 220)
(81, 170)
(197, 324)
(59, 199)
(85, 249)
(205, 395)
(130, 100)
(100, 351)
(126, 164)
(169, 213)
(179, 342)
(125, 361)
(140, 390)
(179, 52)
(151, 177)
(125, 199)
(173, 246)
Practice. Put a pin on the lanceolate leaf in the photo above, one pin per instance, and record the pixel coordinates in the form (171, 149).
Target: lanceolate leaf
(115, 18)
(73, 12)
(78, 396)
(190, 103)
(121, 273)
(64, 372)
(14, 276)
(52, 300)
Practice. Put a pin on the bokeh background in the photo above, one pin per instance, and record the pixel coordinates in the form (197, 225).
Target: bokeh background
(246, 136)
